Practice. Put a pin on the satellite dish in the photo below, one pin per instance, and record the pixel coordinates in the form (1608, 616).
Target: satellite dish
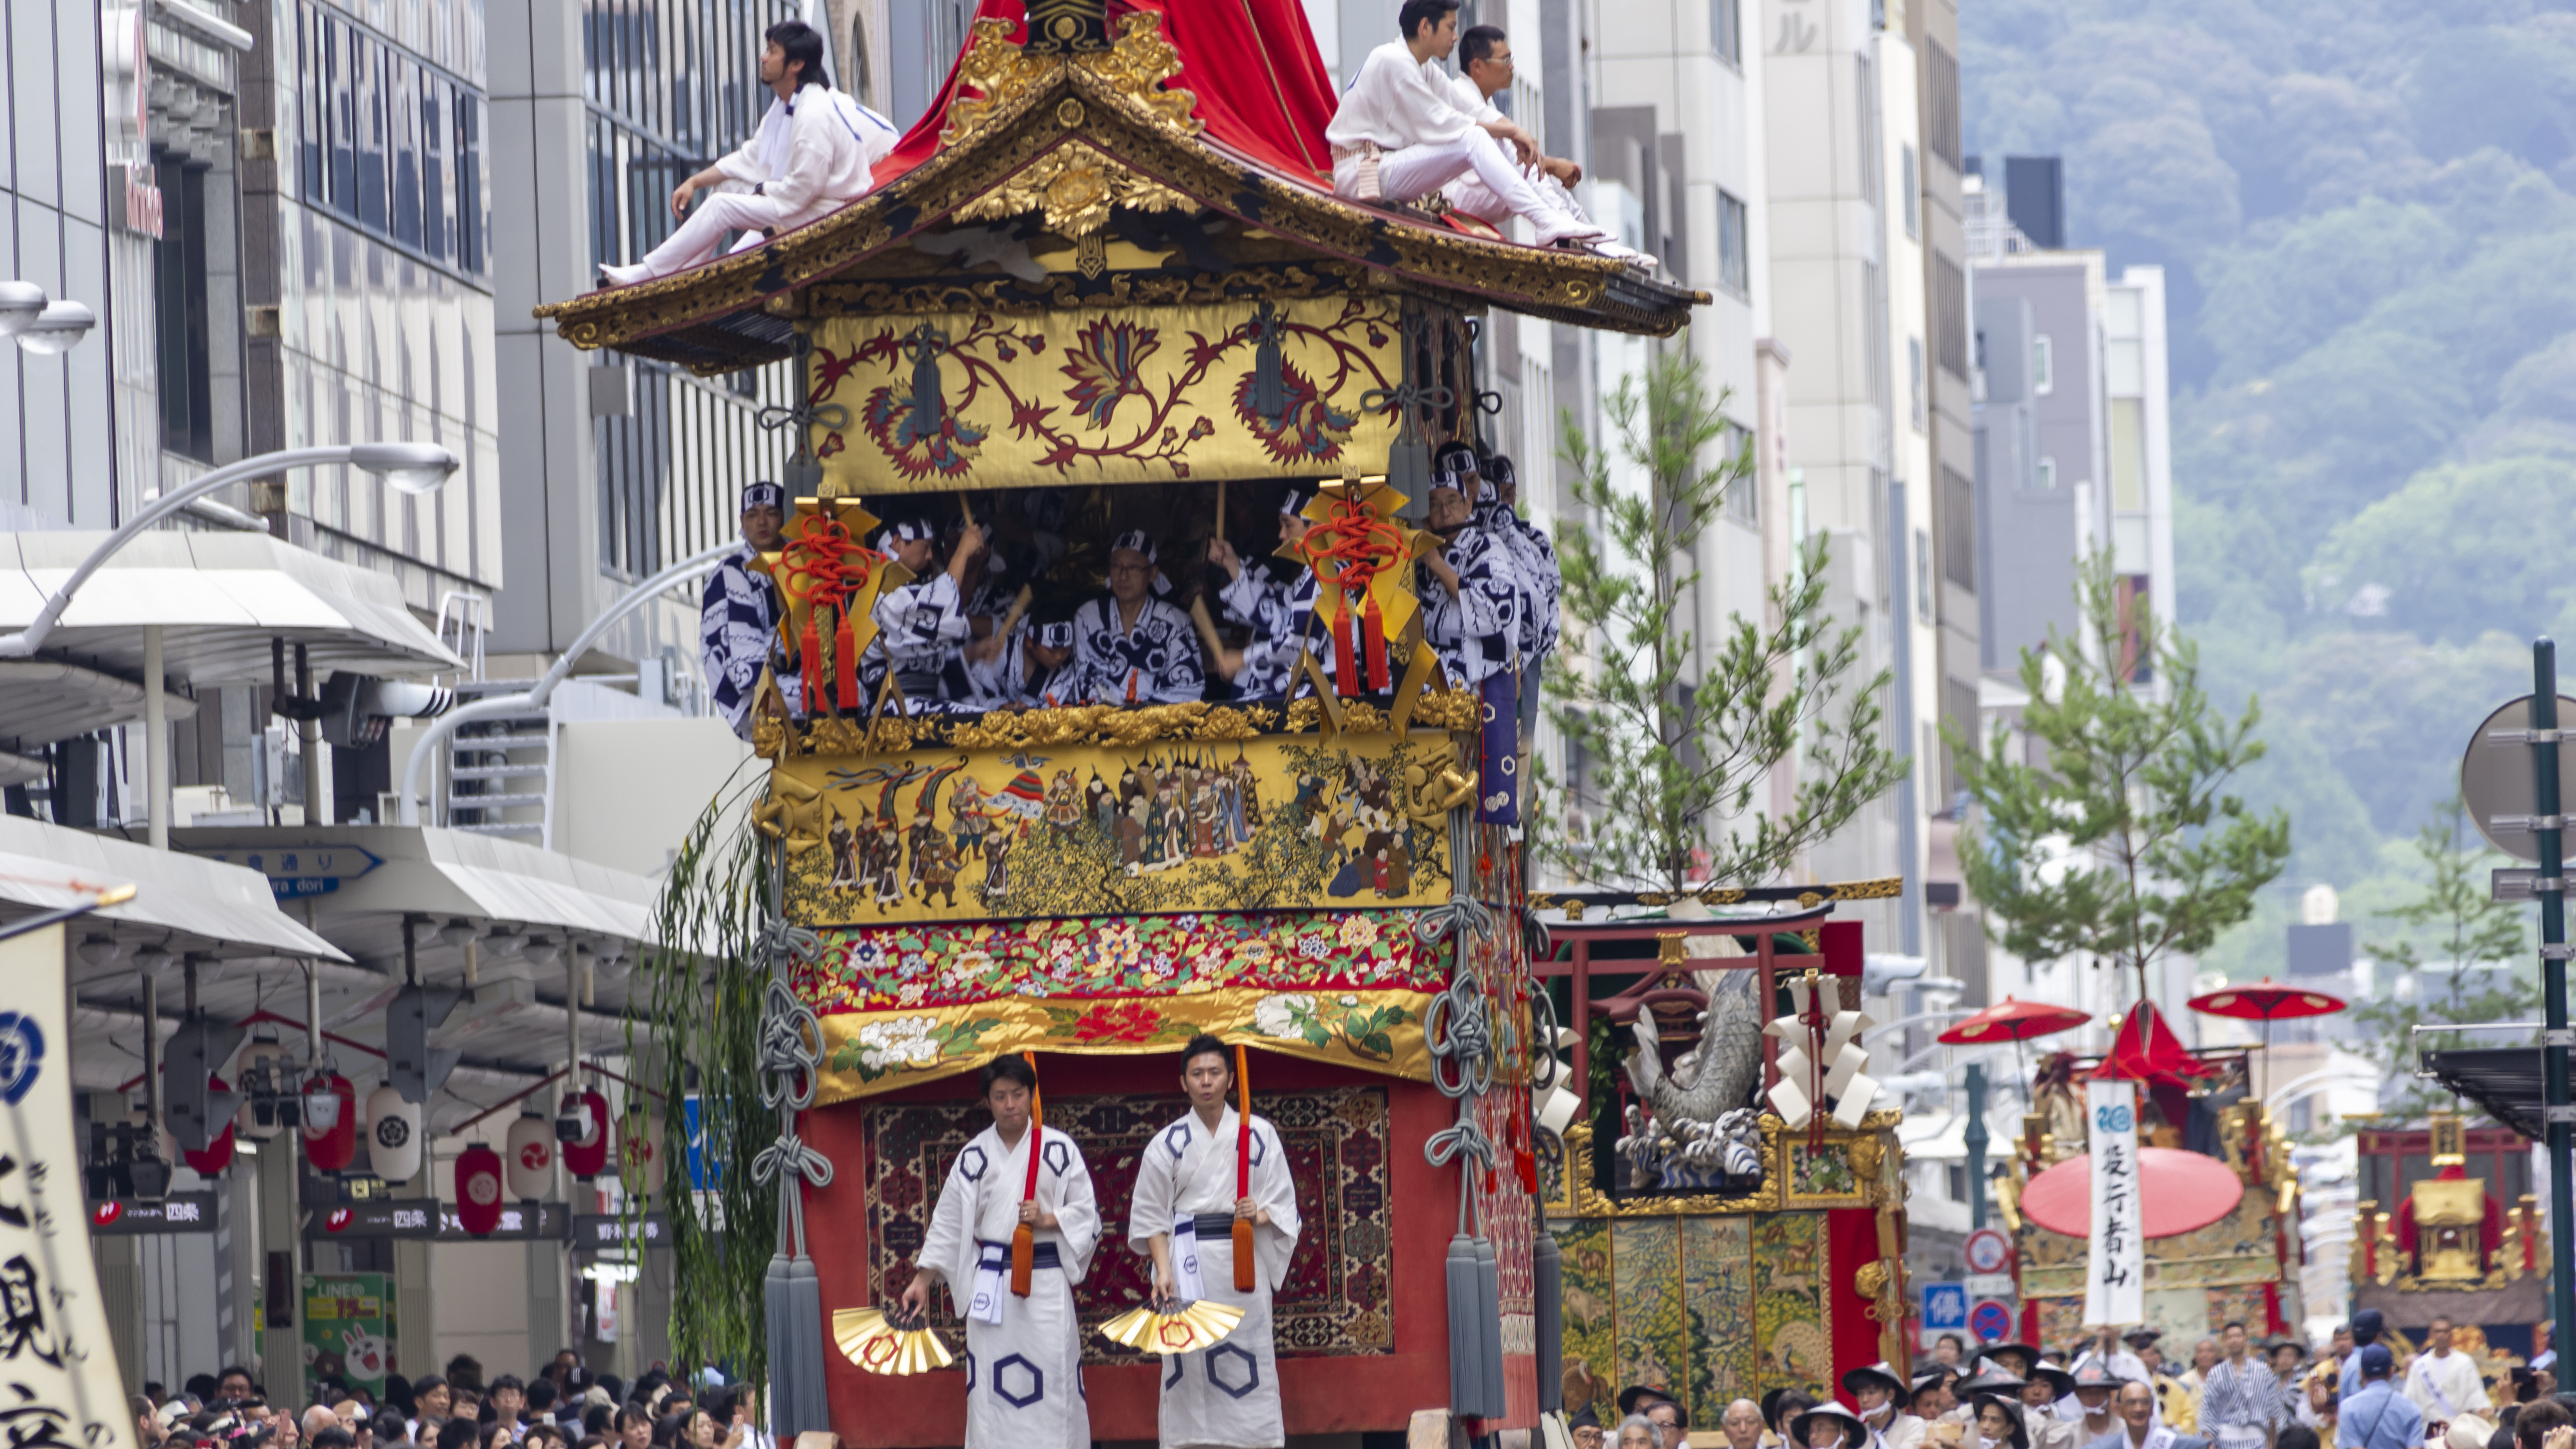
(2496, 778)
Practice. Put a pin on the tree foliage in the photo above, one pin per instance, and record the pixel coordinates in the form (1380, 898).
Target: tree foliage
(2462, 959)
(2120, 841)
(1681, 741)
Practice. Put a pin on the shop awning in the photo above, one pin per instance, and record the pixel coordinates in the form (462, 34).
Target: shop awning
(219, 599)
(44, 700)
(199, 905)
(2506, 1081)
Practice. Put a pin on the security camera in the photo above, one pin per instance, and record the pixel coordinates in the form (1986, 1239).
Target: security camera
(357, 709)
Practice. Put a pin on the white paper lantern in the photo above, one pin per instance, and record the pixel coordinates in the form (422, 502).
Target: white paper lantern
(393, 1135)
(528, 1157)
(639, 1153)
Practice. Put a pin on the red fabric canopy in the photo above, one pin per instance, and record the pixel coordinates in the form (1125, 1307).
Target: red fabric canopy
(2177, 1192)
(2265, 1001)
(1252, 65)
(2146, 1050)
(2010, 1020)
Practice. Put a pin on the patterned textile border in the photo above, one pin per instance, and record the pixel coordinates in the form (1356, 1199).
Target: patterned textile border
(905, 1004)
(1339, 1140)
(1674, 1300)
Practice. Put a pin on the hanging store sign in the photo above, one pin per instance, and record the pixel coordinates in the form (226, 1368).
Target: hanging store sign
(427, 1217)
(125, 1217)
(55, 1354)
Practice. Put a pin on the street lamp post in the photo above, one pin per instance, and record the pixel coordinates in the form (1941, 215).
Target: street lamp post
(535, 696)
(413, 468)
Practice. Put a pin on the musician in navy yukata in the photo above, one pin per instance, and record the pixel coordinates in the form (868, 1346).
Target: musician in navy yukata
(921, 627)
(738, 615)
(1474, 601)
(1277, 602)
(1131, 647)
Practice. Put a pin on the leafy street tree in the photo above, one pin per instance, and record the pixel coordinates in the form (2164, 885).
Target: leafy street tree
(2472, 971)
(1680, 746)
(2115, 839)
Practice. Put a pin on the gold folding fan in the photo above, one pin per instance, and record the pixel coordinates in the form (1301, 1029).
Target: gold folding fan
(883, 1345)
(1174, 1327)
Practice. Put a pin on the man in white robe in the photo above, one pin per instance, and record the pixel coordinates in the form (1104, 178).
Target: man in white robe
(815, 152)
(2442, 1382)
(1186, 1204)
(1485, 71)
(1023, 1355)
(1131, 647)
(1400, 133)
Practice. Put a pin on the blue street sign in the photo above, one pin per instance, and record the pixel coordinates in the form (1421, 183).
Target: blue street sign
(1991, 1320)
(1945, 1308)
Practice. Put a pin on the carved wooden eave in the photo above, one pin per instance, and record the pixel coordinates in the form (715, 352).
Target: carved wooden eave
(1080, 145)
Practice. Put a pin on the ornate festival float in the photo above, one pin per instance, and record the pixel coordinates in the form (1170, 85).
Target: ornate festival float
(1104, 286)
(2448, 1227)
(2214, 1194)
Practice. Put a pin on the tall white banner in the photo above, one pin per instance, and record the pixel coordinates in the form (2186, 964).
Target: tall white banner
(2115, 1267)
(59, 1387)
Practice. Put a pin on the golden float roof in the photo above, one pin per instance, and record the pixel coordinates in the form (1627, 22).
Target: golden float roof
(1125, 188)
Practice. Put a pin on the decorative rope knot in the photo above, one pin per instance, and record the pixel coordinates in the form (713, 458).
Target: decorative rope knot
(823, 568)
(789, 1156)
(790, 1050)
(1461, 916)
(1349, 550)
(797, 945)
(1461, 1037)
(1462, 1138)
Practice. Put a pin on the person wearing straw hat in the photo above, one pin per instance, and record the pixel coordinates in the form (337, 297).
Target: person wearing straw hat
(1880, 1396)
(2048, 1388)
(2001, 1424)
(1828, 1426)
(1130, 647)
(1195, 1180)
(1023, 1353)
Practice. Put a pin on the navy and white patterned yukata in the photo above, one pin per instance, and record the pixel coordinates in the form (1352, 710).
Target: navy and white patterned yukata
(738, 616)
(1155, 662)
(1281, 614)
(921, 635)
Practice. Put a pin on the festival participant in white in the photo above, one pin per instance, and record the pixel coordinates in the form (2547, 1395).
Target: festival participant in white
(813, 154)
(1279, 605)
(1023, 1355)
(1485, 71)
(2442, 1382)
(2240, 1401)
(1133, 648)
(738, 615)
(922, 627)
(2139, 1427)
(1881, 1396)
(1400, 132)
(1187, 1201)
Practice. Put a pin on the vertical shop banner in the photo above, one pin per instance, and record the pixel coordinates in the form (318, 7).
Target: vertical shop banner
(2115, 1269)
(349, 1328)
(59, 1386)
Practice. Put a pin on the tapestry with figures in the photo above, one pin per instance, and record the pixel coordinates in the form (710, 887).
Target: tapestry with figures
(1271, 822)
(1339, 1142)
(1251, 389)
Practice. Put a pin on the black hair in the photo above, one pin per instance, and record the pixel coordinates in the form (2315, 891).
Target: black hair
(672, 1429)
(1418, 13)
(1204, 1043)
(426, 1385)
(506, 1381)
(634, 1414)
(202, 1386)
(334, 1437)
(460, 1433)
(248, 1377)
(2536, 1420)
(1011, 1067)
(803, 44)
(1477, 43)
(541, 1394)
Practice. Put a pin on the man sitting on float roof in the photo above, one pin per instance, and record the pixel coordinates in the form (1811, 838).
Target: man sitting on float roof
(1131, 647)
(1485, 71)
(815, 152)
(1400, 132)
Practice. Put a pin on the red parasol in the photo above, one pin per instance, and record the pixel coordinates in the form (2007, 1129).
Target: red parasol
(2015, 1022)
(2178, 1191)
(2267, 1002)
(2010, 1020)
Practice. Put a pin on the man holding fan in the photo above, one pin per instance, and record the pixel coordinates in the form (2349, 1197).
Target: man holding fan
(1207, 1187)
(1016, 1223)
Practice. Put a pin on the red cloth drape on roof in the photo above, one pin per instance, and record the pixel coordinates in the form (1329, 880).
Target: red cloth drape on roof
(1252, 65)
(2146, 1050)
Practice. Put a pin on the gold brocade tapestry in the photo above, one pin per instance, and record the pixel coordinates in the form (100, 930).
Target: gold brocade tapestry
(1144, 394)
(902, 1005)
(1276, 822)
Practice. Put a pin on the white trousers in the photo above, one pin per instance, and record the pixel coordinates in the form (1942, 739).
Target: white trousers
(716, 213)
(1420, 170)
(1470, 194)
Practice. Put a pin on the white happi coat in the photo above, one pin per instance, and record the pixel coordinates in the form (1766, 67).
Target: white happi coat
(1227, 1395)
(1023, 1375)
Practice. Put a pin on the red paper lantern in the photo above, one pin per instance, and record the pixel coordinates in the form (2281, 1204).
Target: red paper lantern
(478, 1189)
(587, 1157)
(218, 1154)
(332, 1148)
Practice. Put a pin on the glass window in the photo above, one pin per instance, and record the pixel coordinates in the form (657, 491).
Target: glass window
(1907, 178)
(1734, 266)
(2045, 478)
(1726, 30)
(1914, 365)
(2043, 365)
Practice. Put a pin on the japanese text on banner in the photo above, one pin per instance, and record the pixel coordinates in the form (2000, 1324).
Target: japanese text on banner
(59, 1387)
(2115, 1269)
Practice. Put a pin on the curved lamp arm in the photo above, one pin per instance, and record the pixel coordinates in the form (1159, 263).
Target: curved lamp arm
(424, 748)
(415, 468)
